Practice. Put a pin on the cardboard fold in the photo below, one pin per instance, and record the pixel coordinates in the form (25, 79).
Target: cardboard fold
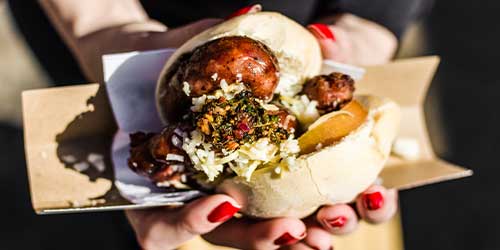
(68, 133)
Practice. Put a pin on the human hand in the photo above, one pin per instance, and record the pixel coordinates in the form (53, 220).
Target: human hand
(375, 205)
(168, 228)
(145, 35)
(164, 228)
(354, 40)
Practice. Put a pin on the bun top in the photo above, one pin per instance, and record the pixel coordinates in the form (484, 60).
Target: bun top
(297, 50)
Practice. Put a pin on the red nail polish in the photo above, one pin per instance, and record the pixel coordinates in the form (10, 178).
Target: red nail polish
(222, 212)
(287, 239)
(249, 9)
(337, 222)
(321, 31)
(373, 201)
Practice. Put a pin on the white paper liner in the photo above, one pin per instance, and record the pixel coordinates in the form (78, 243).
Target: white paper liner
(330, 66)
(131, 82)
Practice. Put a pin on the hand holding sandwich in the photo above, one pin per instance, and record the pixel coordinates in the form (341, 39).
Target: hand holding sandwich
(164, 228)
(195, 71)
(211, 217)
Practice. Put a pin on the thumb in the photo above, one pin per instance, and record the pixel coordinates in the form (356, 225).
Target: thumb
(174, 38)
(165, 228)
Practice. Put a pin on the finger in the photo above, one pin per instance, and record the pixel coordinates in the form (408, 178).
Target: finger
(333, 41)
(318, 238)
(268, 234)
(338, 219)
(183, 33)
(180, 225)
(246, 10)
(330, 50)
(377, 204)
(326, 40)
(174, 38)
(149, 25)
(300, 246)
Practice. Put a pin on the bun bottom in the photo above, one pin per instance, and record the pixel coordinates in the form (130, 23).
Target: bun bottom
(331, 175)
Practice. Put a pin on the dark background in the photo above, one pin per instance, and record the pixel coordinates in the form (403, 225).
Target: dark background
(462, 214)
(463, 99)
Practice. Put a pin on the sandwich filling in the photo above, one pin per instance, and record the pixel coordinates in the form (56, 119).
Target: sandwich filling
(230, 117)
(236, 132)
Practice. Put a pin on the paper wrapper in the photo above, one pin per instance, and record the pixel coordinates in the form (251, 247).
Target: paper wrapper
(72, 137)
(131, 82)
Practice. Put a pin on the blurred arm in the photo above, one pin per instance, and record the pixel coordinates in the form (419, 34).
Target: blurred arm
(92, 28)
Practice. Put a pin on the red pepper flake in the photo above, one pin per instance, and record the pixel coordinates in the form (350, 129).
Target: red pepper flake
(244, 126)
(232, 145)
(238, 134)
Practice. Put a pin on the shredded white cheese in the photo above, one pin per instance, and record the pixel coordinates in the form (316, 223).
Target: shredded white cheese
(174, 157)
(243, 161)
(248, 157)
(304, 109)
(186, 88)
(269, 107)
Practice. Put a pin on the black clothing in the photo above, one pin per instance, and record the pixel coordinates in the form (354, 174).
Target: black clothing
(461, 214)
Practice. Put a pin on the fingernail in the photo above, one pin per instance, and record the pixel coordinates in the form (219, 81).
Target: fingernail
(288, 239)
(337, 222)
(373, 201)
(222, 212)
(321, 31)
(249, 9)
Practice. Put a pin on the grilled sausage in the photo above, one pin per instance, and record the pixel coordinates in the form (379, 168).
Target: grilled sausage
(159, 156)
(233, 59)
(286, 120)
(331, 91)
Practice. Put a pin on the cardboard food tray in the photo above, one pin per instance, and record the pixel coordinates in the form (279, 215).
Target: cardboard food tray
(78, 121)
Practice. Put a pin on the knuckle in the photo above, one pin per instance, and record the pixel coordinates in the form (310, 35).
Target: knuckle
(191, 226)
(146, 242)
(149, 237)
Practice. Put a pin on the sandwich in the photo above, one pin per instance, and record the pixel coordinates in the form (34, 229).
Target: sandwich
(246, 113)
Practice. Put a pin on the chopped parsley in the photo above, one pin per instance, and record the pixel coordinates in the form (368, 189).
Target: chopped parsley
(228, 124)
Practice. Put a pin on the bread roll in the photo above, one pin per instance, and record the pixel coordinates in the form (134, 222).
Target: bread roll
(334, 174)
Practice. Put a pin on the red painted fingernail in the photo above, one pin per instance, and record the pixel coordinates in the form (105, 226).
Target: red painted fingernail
(222, 212)
(249, 9)
(321, 31)
(337, 222)
(373, 201)
(288, 239)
